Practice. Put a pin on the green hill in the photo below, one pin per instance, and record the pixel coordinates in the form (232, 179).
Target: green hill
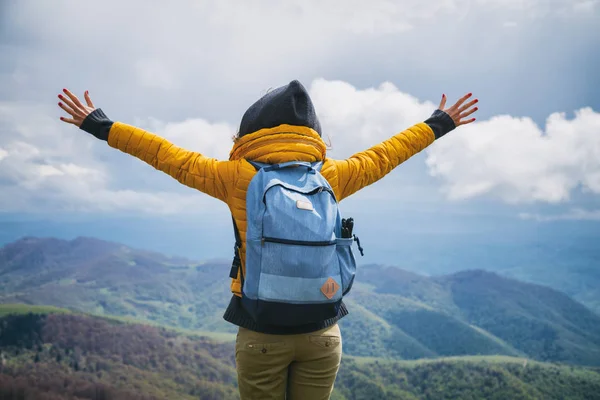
(408, 330)
(521, 317)
(533, 318)
(55, 355)
(394, 314)
(107, 278)
(465, 378)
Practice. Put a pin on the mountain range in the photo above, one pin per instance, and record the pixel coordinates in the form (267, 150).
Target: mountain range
(394, 314)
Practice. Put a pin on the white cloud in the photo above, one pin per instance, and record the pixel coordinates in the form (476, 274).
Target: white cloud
(48, 166)
(192, 43)
(357, 119)
(212, 139)
(197, 62)
(512, 159)
(46, 159)
(507, 158)
(576, 214)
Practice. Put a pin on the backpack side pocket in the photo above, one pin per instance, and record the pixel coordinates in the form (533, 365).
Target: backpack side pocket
(347, 262)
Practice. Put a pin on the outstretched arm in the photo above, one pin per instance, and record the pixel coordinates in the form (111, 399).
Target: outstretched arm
(369, 166)
(190, 168)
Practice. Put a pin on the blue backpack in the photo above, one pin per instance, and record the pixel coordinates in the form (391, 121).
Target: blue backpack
(298, 265)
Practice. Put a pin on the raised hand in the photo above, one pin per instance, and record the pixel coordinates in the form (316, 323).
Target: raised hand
(459, 111)
(73, 106)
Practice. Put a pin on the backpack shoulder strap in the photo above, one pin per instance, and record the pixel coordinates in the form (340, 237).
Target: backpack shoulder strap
(257, 166)
(317, 165)
(237, 261)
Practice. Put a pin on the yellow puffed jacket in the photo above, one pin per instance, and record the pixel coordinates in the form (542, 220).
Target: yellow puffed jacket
(228, 180)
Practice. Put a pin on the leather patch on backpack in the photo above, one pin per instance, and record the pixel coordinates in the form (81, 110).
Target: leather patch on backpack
(329, 288)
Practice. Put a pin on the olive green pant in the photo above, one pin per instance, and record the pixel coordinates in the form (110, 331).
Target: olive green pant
(292, 367)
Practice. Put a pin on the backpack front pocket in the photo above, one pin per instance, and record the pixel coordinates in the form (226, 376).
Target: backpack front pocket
(295, 271)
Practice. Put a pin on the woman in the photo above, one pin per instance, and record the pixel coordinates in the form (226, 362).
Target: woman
(282, 126)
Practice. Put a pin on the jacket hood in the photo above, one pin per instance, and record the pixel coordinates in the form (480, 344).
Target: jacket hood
(289, 104)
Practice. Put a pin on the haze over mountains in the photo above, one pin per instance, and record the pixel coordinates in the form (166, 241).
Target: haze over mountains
(563, 255)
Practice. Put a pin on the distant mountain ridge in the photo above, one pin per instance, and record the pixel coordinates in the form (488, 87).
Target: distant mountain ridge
(393, 313)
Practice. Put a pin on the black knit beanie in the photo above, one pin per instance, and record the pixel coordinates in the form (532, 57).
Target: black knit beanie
(289, 104)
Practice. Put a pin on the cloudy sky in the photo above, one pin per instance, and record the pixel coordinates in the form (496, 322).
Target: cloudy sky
(188, 71)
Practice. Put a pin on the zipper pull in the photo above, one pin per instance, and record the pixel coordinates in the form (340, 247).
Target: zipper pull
(262, 242)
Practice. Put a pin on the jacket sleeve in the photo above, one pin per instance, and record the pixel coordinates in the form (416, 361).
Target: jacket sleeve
(208, 175)
(369, 166)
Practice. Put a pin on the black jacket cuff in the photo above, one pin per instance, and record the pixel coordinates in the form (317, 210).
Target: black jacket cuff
(440, 122)
(98, 124)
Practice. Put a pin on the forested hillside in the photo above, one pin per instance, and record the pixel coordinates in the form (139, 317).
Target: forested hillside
(53, 354)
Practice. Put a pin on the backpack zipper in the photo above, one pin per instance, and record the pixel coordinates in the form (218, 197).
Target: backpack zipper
(297, 242)
(317, 190)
